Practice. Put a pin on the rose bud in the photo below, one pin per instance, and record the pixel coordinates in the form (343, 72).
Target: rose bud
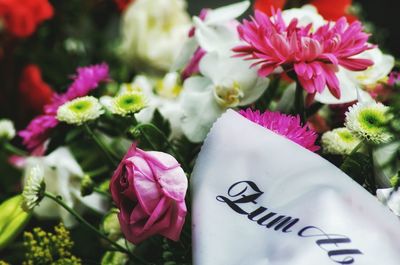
(149, 189)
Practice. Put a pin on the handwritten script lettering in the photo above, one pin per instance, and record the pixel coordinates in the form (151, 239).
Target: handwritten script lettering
(242, 198)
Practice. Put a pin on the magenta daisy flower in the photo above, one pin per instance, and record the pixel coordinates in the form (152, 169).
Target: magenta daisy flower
(313, 56)
(38, 131)
(285, 125)
(87, 79)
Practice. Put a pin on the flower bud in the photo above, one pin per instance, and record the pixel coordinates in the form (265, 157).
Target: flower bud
(13, 219)
(114, 258)
(111, 225)
(7, 130)
(87, 185)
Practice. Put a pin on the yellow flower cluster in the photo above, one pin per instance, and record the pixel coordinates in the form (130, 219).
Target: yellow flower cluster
(49, 248)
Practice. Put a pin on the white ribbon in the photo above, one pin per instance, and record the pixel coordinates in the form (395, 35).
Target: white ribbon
(260, 199)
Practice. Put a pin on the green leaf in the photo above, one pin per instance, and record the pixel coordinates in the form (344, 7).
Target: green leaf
(359, 167)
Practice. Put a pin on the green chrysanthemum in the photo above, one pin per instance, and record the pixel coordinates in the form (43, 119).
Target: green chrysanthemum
(128, 103)
(339, 141)
(7, 130)
(368, 120)
(34, 187)
(80, 110)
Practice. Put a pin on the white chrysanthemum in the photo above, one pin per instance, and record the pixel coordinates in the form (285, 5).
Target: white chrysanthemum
(339, 141)
(128, 103)
(80, 110)
(153, 32)
(34, 187)
(7, 130)
(368, 120)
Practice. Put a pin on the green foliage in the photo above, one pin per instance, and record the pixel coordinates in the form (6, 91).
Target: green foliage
(359, 167)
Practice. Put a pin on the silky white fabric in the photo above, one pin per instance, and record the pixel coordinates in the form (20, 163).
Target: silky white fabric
(332, 219)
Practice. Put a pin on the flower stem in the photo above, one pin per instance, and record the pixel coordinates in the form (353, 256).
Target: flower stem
(107, 152)
(14, 150)
(269, 94)
(352, 153)
(99, 171)
(91, 227)
(102, 192)
(356, 148)
(299, 102)
(372, 176)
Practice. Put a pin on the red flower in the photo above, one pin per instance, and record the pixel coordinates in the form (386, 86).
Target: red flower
(122, 4)
(22, 17)
(330, 10)
(266, 5)
(34, 91)
(333, 10)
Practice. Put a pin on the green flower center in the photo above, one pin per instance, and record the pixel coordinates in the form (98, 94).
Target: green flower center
(128, 101)
(80, 106)
(346, 136)
(372, 119)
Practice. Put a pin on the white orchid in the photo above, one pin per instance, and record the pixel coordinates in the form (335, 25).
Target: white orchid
(62, 175)
(226, 82)
(351, 82)
(383, 65)
(214, 33)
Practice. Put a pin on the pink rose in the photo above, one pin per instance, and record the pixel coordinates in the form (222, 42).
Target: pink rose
(149, 189)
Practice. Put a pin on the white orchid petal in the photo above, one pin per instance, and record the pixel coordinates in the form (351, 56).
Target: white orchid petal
(255, 92)
(383, 65)
(218, 38)
(199, 108)
(227, 13)
(348, 89)
(185, 54)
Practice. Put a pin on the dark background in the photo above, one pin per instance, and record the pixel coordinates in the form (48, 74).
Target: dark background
(385, 14)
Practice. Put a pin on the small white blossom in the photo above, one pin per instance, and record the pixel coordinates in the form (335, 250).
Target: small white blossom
(34, 187)
(62, 175)
(7, 130)
(368, 120)
(339, 141)
(80, 110)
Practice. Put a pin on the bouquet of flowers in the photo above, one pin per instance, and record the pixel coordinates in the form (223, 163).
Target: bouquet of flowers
(106, 106)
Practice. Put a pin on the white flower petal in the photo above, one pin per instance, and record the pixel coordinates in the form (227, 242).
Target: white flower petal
(226, 13)
(305, 15)
(219, 38)
(383, 65)
(185, 54)
(348, 90)
(199, 107)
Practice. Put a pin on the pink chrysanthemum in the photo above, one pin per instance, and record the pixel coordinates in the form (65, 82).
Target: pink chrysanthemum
(87, 79)
(285, 125)
(313, 56)
(38, 131)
